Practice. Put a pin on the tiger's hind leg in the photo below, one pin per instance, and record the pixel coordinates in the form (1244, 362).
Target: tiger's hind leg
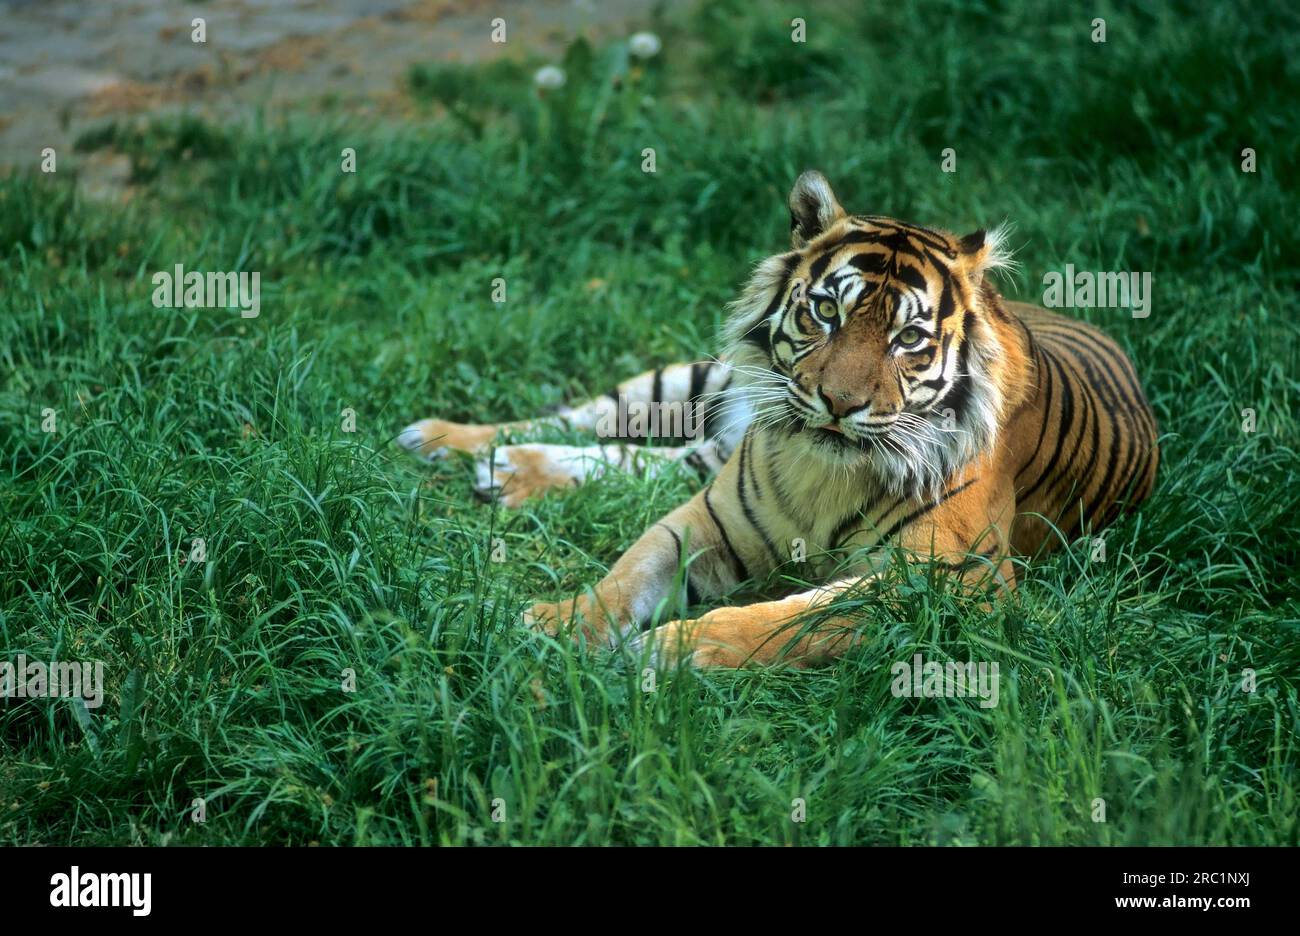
(516, 473)
(695, 385)
(689, 400)
(431, 439)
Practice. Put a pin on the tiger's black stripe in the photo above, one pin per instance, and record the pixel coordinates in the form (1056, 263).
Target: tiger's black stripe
(1062, 430)
(743, 494)
(692, 593)
(738, 566)
(924, 509)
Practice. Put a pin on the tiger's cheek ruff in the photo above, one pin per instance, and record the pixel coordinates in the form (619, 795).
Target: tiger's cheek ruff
(747, 335)
(964, 422)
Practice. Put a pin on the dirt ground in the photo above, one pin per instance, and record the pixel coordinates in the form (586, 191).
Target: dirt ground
(67, 65)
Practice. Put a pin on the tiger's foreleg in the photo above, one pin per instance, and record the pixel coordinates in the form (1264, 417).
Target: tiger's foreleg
(691, 538)
(798, 630)
(966, 537)
(786, 630)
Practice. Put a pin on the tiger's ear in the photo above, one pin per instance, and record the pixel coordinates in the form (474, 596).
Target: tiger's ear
(813, 208)
(984, 251)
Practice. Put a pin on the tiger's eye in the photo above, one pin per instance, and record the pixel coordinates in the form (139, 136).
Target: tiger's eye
(826, 309)
(909, 336)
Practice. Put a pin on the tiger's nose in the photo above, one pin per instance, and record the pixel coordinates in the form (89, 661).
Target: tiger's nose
(840, 404)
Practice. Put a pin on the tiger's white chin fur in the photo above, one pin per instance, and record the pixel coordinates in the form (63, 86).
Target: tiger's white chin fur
(916, 461)
(920, 453)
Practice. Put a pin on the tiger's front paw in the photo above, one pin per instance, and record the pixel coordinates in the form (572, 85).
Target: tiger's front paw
(575, 617)
(671, 645)
(728, 638)
(432, 439)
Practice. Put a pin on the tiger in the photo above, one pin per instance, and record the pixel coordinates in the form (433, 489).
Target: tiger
(877, 397)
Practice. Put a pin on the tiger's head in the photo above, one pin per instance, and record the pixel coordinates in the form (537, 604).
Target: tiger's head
(875, 343)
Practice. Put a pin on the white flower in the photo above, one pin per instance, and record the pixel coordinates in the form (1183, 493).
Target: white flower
(644, 45)
(549, 77)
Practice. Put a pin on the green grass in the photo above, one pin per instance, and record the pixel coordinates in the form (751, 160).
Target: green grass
(331, 551)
